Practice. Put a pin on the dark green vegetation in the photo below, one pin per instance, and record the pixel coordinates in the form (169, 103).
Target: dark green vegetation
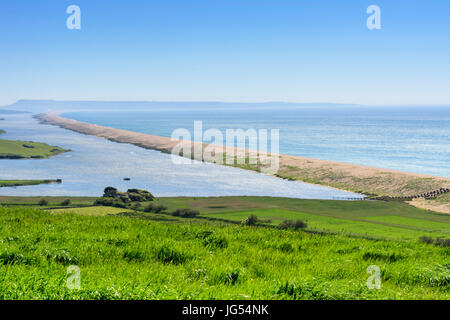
(127, 256)
(10, 149)
(293, 249)
(17, 183)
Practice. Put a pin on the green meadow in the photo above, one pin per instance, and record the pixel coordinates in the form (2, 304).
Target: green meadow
(122, 256)
(128, 254)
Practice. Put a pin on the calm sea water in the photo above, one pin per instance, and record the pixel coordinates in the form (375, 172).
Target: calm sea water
(415, 139)
(95, 163)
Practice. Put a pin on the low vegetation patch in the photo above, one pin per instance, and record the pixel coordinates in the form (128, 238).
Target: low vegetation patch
(10, 149)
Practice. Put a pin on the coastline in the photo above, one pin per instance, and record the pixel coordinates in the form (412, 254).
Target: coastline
(349, 177)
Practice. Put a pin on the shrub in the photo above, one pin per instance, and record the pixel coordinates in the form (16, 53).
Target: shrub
(109, 202)
(104, 202)
(43, 202)
(65, 202)
(140, 195)
(119, 204)
(442, 242)
(425, 239)
(185, 213)
(290, 224)
(437, 242)
(136, 197)
(251, 220)
(136, 206)
(155, 208)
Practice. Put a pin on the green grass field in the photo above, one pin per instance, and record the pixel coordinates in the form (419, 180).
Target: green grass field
(10, 149)
(124, 257)
(370, 219)
(125, 254)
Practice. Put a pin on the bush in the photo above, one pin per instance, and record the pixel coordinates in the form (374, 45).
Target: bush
(136, 206)
(139, 195)
(155, 208)
(290, 224)
(425, 239)
(185, 213)
(437, 242)
(109, 202)
(43, 202)
(104, 202)
(65, 202)
(442, 242)
(251, 220)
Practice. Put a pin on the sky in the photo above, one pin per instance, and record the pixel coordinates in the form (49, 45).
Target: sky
(226, 50)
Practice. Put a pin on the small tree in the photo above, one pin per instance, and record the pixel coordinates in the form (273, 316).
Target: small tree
(110, 192)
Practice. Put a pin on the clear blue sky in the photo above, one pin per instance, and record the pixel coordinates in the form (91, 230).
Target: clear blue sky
(226, 50)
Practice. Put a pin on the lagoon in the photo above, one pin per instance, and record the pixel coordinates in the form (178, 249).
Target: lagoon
(95, 163)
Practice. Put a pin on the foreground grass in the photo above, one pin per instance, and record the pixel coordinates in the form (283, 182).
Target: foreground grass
(10, 149)
(127, 258)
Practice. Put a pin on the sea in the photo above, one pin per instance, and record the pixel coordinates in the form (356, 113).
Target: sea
(406, 138)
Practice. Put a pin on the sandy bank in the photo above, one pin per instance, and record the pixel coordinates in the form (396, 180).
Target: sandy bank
(354, 178)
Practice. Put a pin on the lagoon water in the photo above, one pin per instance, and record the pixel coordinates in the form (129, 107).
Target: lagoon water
(414, 139)
(95, 163)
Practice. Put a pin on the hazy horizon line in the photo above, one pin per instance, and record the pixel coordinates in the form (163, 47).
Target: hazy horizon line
(229, 102)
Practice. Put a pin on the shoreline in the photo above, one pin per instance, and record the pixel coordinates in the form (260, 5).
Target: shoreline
(365, 180)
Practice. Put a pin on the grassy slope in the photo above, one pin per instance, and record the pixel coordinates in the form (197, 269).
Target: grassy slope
(355, 217)
(125, 258)
(378, 219)
(16, 149)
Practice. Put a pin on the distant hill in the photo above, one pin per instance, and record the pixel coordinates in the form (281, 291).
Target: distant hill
(11, 111)
(37, 106)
